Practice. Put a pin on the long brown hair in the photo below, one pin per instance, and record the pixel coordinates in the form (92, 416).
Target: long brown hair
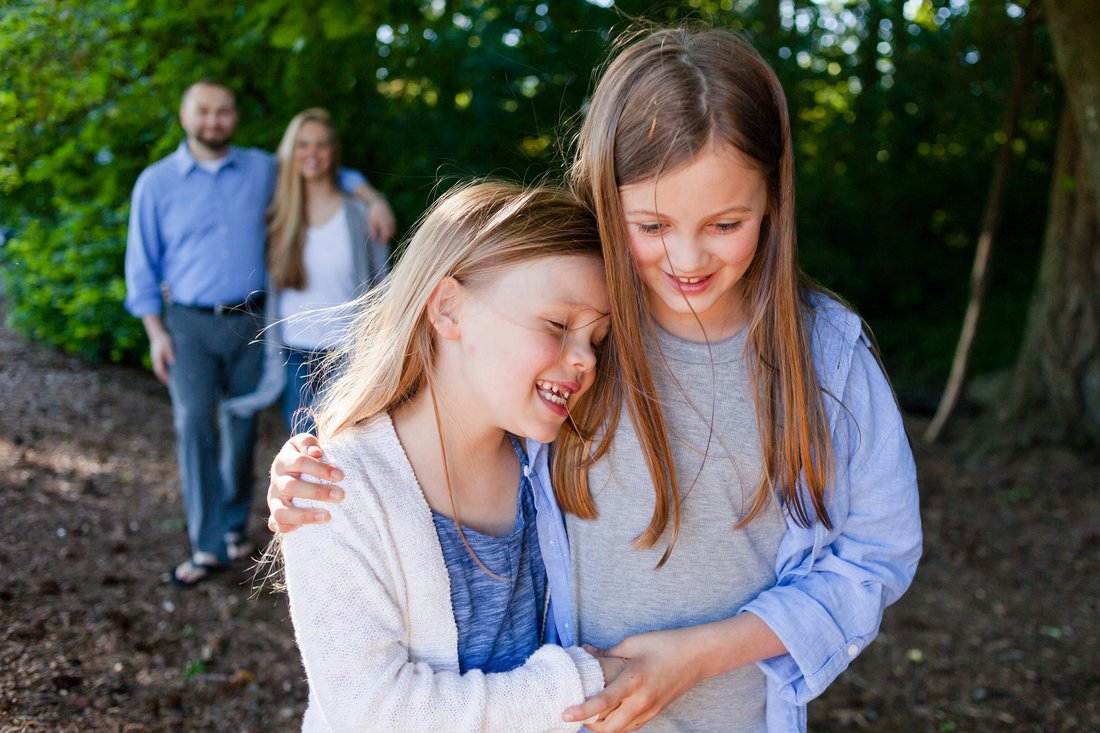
(286, 217)
(662, 100)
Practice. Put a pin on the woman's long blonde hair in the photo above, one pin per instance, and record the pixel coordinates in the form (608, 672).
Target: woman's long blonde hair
(471, 233)
(286, 215)
(663, 99)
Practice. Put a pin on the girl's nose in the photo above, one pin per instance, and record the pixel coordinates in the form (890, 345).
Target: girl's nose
(685, 254)
(580, 354)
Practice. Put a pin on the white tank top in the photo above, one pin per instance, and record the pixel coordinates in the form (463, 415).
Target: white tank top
(330, 281)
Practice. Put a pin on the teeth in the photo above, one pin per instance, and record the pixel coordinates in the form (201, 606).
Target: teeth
(552, 392)
(691, 280)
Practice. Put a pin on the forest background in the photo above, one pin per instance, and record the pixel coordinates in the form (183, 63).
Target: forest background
(929, 134)
(899, 113)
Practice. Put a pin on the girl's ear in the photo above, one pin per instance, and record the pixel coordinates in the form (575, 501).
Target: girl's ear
(445, 308)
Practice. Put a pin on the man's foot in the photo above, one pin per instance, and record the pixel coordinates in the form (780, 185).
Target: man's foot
(237, 547)
(194, 570)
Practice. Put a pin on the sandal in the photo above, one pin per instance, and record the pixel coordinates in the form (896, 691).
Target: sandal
(237, 547)
(192, 571)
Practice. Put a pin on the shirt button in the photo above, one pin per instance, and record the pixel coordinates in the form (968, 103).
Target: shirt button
(853, 649)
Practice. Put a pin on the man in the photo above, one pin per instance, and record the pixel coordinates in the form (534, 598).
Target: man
(196, 239)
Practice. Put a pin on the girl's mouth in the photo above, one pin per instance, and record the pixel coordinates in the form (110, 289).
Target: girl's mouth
(689, 284)
(555, 397)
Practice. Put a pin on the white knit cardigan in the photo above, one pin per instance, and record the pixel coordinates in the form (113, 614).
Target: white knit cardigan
(371, 604)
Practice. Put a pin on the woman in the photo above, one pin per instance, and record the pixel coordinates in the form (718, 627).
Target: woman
(320, 256)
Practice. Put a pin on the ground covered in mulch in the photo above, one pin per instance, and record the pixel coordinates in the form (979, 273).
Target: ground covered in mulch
(1000, 632)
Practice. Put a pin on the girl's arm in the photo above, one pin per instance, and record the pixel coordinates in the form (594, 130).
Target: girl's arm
(827, 604)
(660, 666)
(827, 612)
(348, 599)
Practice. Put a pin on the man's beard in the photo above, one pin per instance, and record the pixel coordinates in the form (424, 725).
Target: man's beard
(214, 145)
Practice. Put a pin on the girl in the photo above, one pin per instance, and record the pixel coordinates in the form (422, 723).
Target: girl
(783, 514)
(320, 255)
(433, 603)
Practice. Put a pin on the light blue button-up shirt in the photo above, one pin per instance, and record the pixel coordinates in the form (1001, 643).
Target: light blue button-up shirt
(832, 584)
(201, 233)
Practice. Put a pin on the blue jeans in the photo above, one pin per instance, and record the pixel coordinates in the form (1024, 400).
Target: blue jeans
(217, 356)
(303, 382)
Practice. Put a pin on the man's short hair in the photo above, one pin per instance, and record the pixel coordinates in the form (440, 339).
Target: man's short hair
(207, 81)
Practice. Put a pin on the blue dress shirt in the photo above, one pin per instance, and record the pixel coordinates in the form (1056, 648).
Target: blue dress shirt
(199, 233)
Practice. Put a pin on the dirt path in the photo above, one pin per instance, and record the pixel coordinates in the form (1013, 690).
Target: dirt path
(1001, 631)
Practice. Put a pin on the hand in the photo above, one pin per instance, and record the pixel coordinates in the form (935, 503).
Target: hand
(300, 455)
(611, 666)
(162, 354)
(650, 672)
(380, 221)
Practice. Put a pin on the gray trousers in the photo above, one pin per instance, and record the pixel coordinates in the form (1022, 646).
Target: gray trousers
(216, 356)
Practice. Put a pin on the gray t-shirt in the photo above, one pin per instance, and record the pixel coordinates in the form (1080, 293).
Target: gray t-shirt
(714, 568)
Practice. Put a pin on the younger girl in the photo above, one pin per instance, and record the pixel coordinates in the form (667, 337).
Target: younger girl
(782, 512)
(432, 603)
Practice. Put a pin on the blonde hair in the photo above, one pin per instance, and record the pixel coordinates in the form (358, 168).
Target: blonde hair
(662, 100)
(286, 215)
(471, 233)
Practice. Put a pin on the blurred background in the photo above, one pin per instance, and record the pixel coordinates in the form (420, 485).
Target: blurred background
(899, 111)
(930, 135)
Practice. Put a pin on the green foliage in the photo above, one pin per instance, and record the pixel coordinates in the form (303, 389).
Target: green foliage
(896, 108)
(89, 98)
(66, 288)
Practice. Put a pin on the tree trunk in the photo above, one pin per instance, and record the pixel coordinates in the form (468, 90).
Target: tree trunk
(1075, 35)
(994, 201)
(1055, 391)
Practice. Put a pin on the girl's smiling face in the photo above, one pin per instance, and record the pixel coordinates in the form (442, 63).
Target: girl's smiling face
(528, 342)
(693, 234)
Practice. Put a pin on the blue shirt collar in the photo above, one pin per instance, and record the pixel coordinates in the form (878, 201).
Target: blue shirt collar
(186, 162)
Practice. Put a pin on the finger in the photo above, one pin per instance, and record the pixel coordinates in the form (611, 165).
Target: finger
(289, 518)
(599, 723)
(376, 227)
(286, 469)
(293, 488)
(611, 697)
(302, 444)
(594, 651)
(634, 712)
(303, 441)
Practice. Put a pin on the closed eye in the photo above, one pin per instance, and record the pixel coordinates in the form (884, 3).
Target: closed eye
(727, 227)
(655, 228)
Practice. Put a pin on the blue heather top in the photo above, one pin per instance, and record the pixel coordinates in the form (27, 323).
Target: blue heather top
(500, 622)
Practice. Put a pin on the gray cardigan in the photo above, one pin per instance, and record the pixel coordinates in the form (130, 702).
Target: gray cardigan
(370, 263)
